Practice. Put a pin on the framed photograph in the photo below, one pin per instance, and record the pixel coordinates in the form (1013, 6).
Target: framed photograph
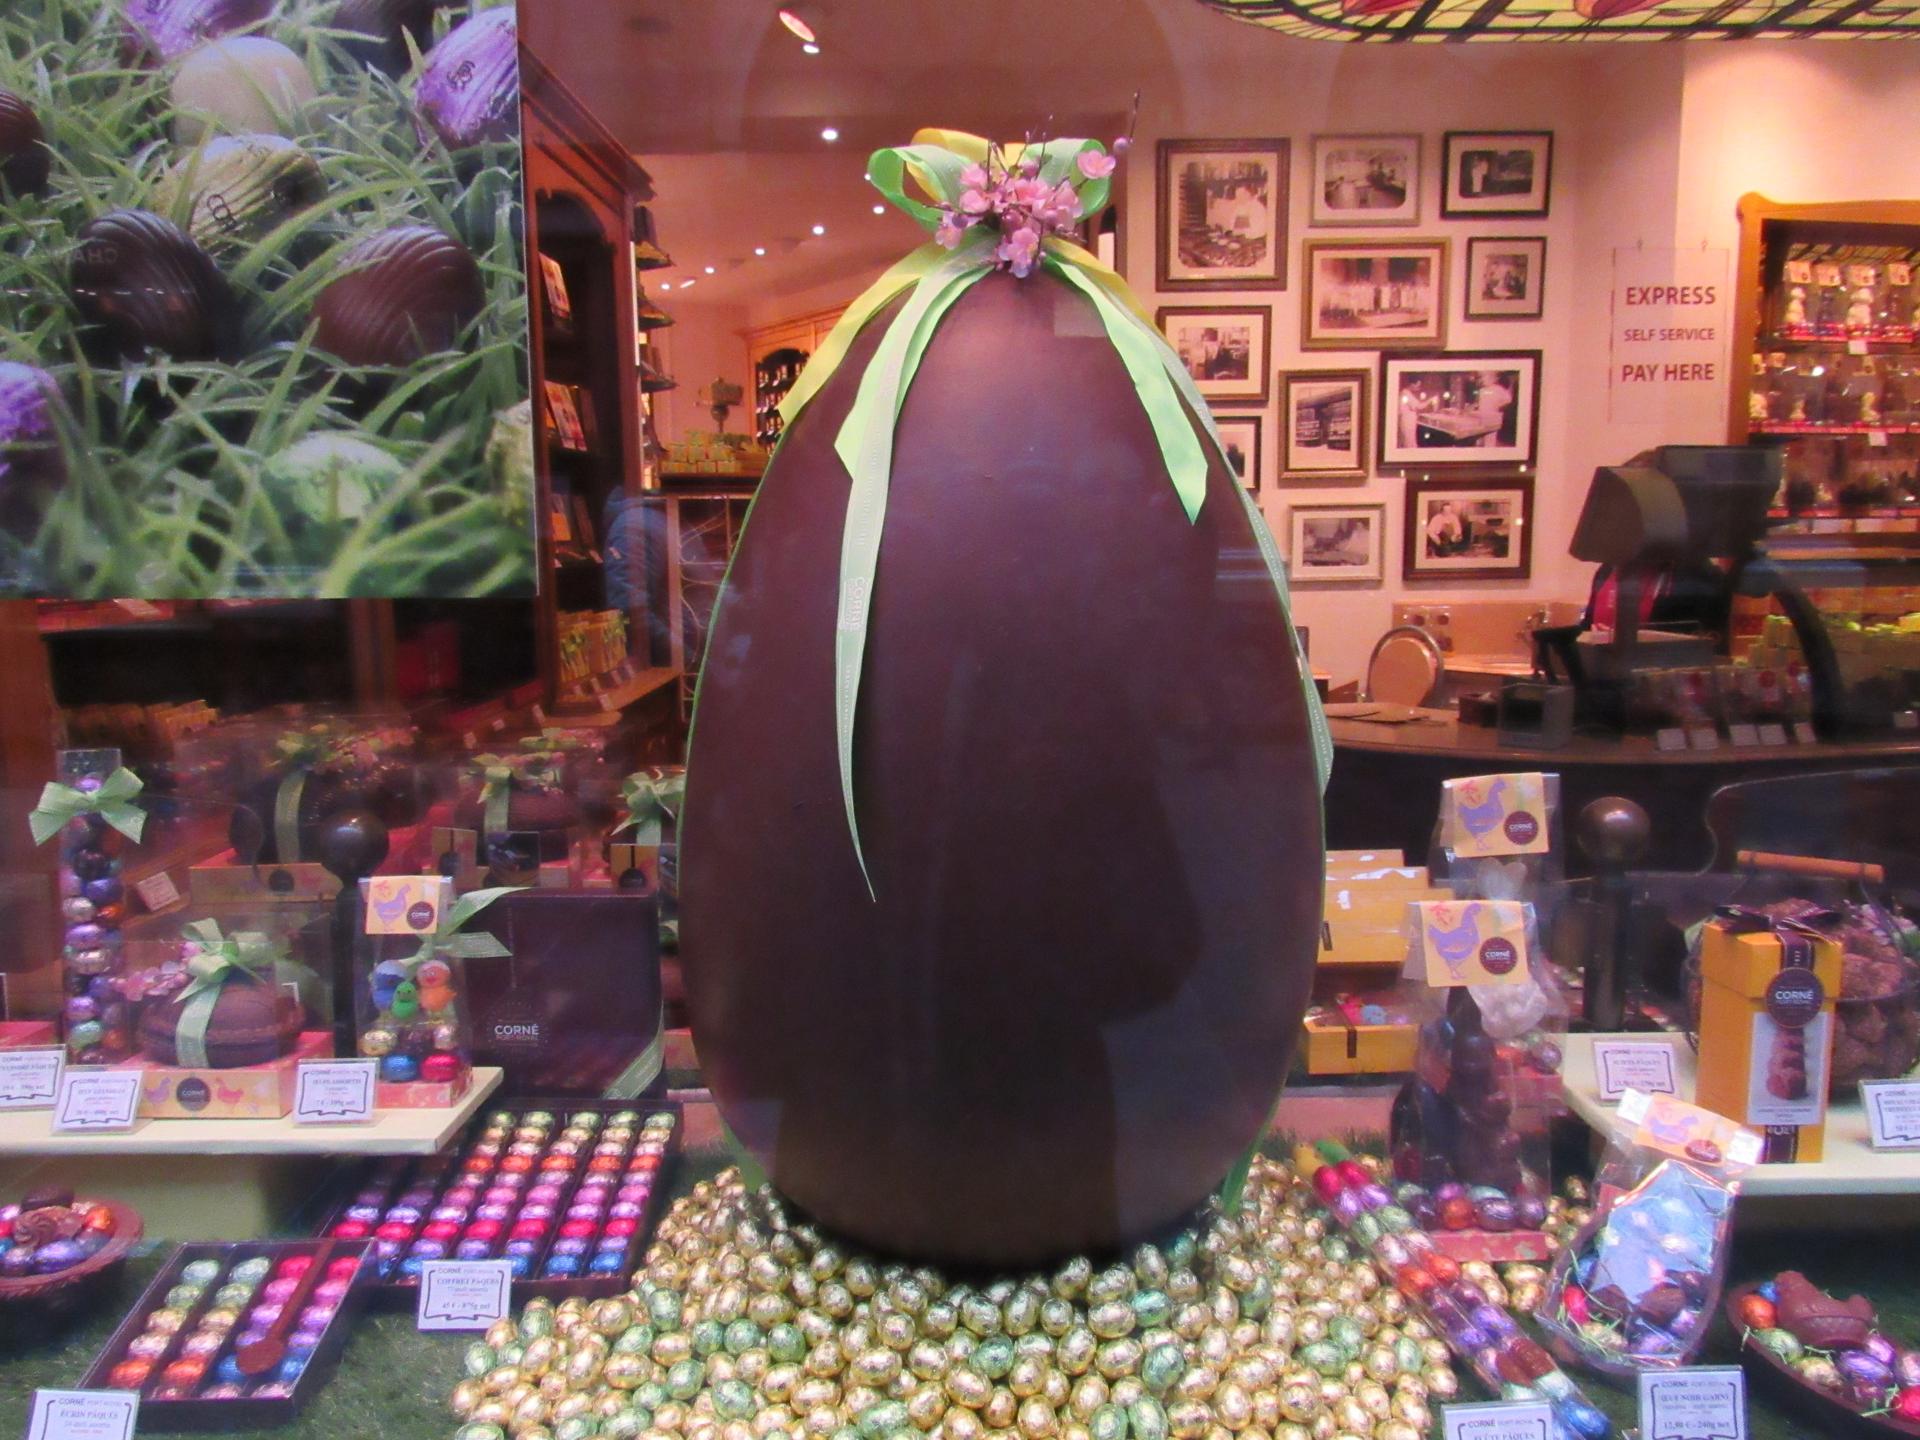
(1495, 173)
(1466, 407)
(1469, 528)
(1324, 416)
(1365, 180)
(1224, 348)
(1241, 435)
(1367, 296)
(1222, 214)
(1335, 542)
(1506, 277)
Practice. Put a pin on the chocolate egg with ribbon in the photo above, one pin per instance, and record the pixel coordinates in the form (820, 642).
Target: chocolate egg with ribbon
(1002, 857)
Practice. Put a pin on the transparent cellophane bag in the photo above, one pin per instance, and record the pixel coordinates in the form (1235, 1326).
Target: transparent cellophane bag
(1470, 876)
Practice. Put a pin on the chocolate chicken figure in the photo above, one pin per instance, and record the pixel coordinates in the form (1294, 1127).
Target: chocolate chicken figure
(1455, 1123)
(1818, 1319)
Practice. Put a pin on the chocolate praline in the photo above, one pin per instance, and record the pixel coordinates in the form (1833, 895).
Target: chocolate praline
(141, 284)
(401, 295)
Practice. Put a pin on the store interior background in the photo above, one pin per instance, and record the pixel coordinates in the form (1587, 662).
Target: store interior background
(1653, 145)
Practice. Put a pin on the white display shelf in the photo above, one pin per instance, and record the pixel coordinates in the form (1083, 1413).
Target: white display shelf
(393, 1132)
(1851, 1167)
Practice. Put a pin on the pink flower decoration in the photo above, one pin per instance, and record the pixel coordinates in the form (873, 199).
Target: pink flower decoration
(1094, 165)
(1020, 250)
(975, 177)
(975, 202)
(949, 230)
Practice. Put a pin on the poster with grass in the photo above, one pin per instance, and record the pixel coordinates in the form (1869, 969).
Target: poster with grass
(263, 313)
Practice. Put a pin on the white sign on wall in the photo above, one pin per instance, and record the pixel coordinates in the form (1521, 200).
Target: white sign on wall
(1668, 342)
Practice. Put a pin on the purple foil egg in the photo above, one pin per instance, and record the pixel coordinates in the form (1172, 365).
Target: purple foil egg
(429, 1249)
(1864, 1370)
(57, 1255)
(522, 1247)
(494, 1210)
(332, 1291)
(1906, 1368)
(632, 1210)
(82, 1007)
(405, 1214)
(1496, 1319)
(16, 1262)
(304, 1342)
(318, 1316)
(1530, 1211)
(571, 1245)
(1495, 1214)
(1347, 1207)
(168, 29)
(472, 1250)
(1881, 1349)
(1374, 1196)
(370, 1214)
(1451, 1190)
(454, 1213)
(469, 87)
(278, 1292)
(85, 937)
(262, 1316)
(1471, 1339)
(103, 890)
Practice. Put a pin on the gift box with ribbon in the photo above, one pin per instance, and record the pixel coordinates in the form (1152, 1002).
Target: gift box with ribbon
(521, 793)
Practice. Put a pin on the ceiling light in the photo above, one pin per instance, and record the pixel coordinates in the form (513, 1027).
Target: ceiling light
(797, 26)
(809, 49)
(759, 249)
(879, 209)
(685, 283)
(709, 270)
(829, 134)
(819, 229)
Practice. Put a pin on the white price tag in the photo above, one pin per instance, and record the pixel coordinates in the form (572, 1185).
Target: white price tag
(30, 1078)
(464, 1294)
(1743, 734)
(1514, 1420)
(157, 892)
(91, 1101)
(1893, 1113)
(1908, 720)
(334, 1092)
(83, 1414)
(1672, 737)
(1708, 1402)
(1623, 1065)
(1773, 733)
(1876, 439)
(1856, 347)
(1703, 737)
(1804, 733)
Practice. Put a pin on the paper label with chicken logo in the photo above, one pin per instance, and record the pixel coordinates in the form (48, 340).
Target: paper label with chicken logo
(1483, 815)
(1473, 942)
(405, 904)
(1687, 1132)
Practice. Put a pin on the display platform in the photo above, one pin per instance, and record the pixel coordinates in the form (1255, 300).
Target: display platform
(1852, 1166)
(219, 1179)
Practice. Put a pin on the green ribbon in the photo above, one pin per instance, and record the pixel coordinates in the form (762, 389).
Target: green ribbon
(447, 934)
(112, 802)
(651, 801)
(496, 793)
(220, 959)
(286, 814)
(936, 278)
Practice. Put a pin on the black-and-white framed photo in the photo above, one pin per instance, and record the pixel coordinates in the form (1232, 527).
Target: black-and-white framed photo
(1506, 277)
(1365, 180)
(1224, 347)
(1222, 214)
(1468, 528)
(1467, 407)
(1327, 543)
(1367, 296)
(1496, 173)
(1240, 435)
(1324, 416)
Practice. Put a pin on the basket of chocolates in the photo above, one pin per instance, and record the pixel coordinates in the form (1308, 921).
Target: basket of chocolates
(1826, 1359)
(57, 1253)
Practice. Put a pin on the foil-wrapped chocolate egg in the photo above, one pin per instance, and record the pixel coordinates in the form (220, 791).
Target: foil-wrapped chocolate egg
(168, 29)
(401, 294)
(469, 87)
(381, 29)
(244, 85)
(25, 162)
(235, 188)
(330, 479)
(141, 284)
(30, 455)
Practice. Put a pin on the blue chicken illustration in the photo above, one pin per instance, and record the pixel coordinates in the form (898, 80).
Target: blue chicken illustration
(1481, 818)
(1456, 943)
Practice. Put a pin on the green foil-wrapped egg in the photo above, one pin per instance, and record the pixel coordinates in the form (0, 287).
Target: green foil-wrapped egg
(235, 188)
(331, 479)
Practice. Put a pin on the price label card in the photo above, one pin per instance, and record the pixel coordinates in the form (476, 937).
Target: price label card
(30, 1078)
(1804, 733)
(83, 1414)
(1515, 1420)
(1703, 737)
(1672, 737)
(1876, 439)
(1856, 347)
(1741, 733)
(464, 1294)
(405, 904)
(1773, 733)
(158, 892)
(90, 1102)
(1708, 1402)
(334, 1092)
(1893, 1113)
(1623, 1065)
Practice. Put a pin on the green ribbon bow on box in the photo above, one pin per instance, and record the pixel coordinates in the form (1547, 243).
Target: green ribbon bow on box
(651, 800)
(303, 751)
(112, 802)
(497, 775)
(448, 934)
(221, 959)
(949, 167)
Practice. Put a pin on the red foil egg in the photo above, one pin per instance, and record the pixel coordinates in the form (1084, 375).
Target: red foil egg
(1757, 1313)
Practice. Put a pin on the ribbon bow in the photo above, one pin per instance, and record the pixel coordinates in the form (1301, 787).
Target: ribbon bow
(314, 746)
(497, 774)
(651, 800)
(951, 168)
(452, 920)
(1744, 919)
(220, 959)
(112, 802)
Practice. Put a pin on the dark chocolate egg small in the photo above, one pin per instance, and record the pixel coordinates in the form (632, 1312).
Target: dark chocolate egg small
(25, 162)
(141, 284)
(383, 28)
(401, 294)
(469, 88)
(168, 29)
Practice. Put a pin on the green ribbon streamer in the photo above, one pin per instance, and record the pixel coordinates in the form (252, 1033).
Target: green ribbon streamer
(875, 298)
(286, 814)
(452, 919)
(651, 801)
(112, 802)
(221, 959)
(496, 793)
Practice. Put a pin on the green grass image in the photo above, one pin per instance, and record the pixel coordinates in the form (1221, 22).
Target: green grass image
(171, 487)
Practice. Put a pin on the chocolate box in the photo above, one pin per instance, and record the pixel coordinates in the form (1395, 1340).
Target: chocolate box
(575, 1009)
(1336, 1048)
(248, 1092)
(241, 1412)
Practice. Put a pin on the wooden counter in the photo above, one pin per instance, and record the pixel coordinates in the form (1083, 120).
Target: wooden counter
(1386, 779)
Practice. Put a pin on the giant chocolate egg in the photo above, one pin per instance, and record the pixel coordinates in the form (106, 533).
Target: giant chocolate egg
(142, 284)
(1086, 798)
(401, 294)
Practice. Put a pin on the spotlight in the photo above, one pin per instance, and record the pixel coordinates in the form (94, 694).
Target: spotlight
(829, 134)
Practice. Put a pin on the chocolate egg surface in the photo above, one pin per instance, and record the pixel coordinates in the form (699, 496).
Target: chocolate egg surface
(1087, 802)
(141, 284)
(236, 188)
(401, 294)
(25, 162)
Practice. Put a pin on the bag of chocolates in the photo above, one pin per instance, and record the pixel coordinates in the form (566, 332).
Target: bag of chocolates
(1497, 837)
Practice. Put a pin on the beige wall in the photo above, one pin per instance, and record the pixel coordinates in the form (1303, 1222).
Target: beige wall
(704, 342)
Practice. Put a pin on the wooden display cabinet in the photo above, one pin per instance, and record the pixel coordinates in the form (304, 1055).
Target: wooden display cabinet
(779, 352)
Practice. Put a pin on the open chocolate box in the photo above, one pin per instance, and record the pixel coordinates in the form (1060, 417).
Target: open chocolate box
(567, 1190)
(178, 1346)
